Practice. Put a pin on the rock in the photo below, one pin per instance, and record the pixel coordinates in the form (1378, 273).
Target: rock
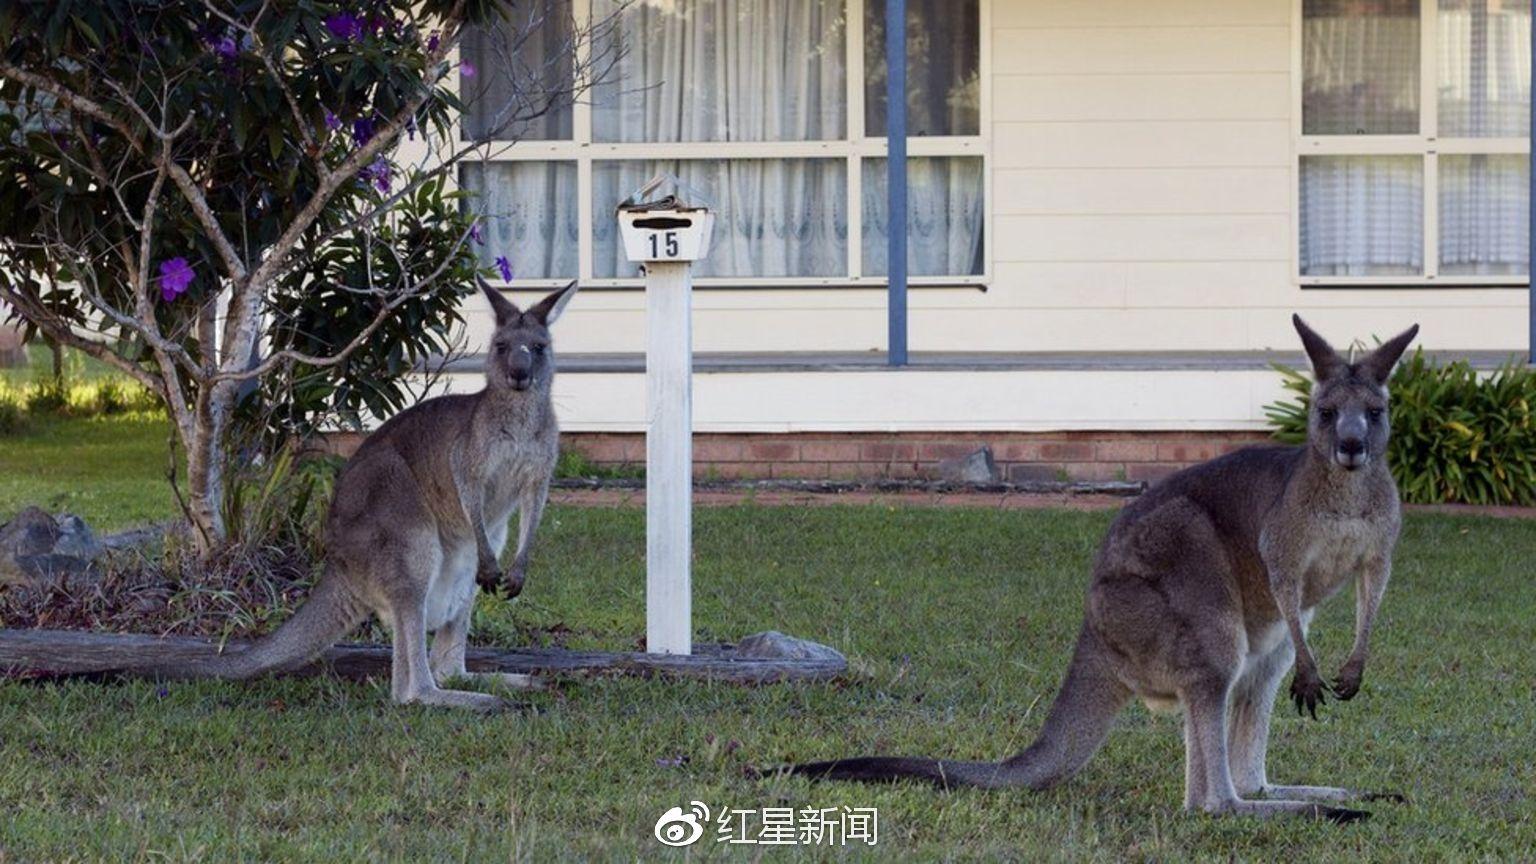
(37, 549)
(773, 645)
(978, 468)
(76, 539)
(31, 532)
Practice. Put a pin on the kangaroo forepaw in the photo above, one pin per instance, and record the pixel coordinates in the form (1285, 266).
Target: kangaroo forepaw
(1307, 691)
(1343, 815)
(1348, 683)
(514, 580)
(1390, 797)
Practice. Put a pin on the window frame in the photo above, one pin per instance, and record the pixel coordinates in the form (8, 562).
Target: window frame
(853, 149)
(1426, 145)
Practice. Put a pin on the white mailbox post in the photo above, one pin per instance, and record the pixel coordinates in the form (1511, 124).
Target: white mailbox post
(667, 236)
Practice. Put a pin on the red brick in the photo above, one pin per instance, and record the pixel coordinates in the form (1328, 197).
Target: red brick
(772, 451)
(1020, 451)
(1061, 451)
(1093, 471)
(1188, 451)
(830, 451)
(800, 470)
(1125, 451)
(737, 470)
(1030, 472)
(719, 449)
(1151, 472)
(853, 470)
(935, 451)
(890, 452)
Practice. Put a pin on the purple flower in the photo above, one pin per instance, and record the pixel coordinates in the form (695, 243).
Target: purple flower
(175, 275)
(331, 121)
(226, 48)
(362, 130)
(476, 234)
(467, 69)
(410, 128)
(378, 174)
(432, 42)
(505, 267)
(345, 25)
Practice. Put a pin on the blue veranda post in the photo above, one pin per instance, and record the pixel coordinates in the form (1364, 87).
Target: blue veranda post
(896, 178)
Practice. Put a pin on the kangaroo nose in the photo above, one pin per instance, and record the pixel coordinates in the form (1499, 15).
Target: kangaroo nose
(1351, 446)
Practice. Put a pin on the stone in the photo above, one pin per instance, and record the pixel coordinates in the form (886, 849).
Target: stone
(37, 549)
(773, 645)
(977, 469)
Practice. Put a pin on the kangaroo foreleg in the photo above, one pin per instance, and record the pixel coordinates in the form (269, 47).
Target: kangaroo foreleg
(530, 509)
(1370, 587)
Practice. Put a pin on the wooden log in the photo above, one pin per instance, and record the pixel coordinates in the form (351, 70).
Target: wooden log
(65, 653)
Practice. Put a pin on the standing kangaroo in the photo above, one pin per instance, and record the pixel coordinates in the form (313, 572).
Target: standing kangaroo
(1201, 596)
(420, 515)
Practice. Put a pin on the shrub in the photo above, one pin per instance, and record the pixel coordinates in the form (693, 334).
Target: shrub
(13, 415)
(1458, 435)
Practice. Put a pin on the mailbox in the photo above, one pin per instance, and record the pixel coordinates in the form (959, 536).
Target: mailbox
(667, 229)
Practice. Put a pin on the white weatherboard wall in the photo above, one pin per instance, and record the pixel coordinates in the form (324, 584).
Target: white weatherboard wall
(1141, 185)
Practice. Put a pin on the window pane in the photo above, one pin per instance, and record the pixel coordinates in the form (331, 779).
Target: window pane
(1485, 68)
(1360, 67)
(519, 64)
(1362, 215)
(530, 215)
(723, 70)
(1484, 215)
(943, 67)
(773, 217)
(945, 219)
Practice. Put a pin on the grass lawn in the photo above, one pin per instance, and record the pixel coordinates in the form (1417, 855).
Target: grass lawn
(957, 622)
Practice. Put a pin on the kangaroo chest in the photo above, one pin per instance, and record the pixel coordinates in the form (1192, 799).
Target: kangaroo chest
(1337, 548)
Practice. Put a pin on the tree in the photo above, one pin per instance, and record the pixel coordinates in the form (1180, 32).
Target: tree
(208, 195)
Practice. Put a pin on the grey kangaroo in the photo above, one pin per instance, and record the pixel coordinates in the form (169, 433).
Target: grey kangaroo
(420, 516)
(1201, 596)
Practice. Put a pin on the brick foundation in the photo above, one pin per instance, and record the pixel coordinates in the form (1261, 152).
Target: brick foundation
(1020, 456)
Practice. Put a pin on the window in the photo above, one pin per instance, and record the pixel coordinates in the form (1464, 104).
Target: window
(1415, 122)
(772, 111)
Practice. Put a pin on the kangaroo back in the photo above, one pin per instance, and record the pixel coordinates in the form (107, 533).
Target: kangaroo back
(1074, 729)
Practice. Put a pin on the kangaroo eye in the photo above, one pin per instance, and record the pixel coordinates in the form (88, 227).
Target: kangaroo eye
(538, 348)
(500, 345)
(1375, 414)
(1328, 414)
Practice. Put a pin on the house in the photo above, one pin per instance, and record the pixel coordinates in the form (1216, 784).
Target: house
(1114, 208)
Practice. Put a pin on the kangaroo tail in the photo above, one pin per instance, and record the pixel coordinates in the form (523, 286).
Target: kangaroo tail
(1075, 727)
(329, 613)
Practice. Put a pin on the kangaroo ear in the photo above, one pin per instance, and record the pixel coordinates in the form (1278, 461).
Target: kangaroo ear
(549, 309)
(1326, 362)
(1378, 364)
(505, 309)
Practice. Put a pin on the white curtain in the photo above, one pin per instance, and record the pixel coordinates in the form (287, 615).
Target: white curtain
(1484, 219)
(530, 215)
(944, 216)
(519, 63)
(1360, 67)
(1362, 215)
(1485, 68)
(723, 70)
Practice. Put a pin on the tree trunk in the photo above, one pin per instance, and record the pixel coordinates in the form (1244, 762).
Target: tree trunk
(205, 482)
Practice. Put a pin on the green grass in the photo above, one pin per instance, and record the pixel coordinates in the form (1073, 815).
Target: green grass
(958, 624)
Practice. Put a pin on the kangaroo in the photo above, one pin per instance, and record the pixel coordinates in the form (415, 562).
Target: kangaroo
(420, 516)
(1200, 599)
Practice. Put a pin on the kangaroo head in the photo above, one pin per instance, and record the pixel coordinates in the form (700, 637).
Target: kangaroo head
(1348, 423)
(522, 354)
